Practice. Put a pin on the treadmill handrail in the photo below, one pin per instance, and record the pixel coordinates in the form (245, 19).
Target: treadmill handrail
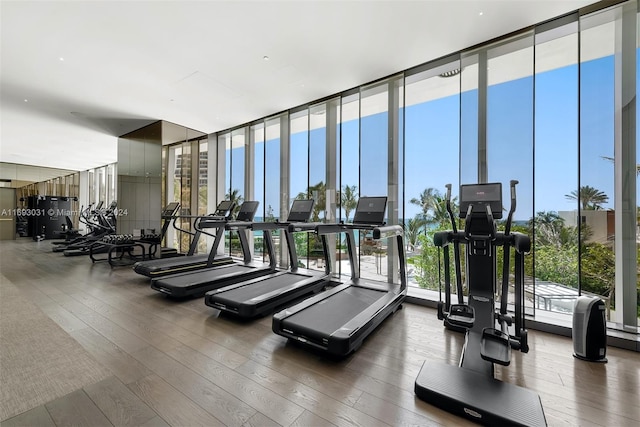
(387, 231)
(180, 229)
(238, 225)
(262, 226)
(295, 227)
(324, 228)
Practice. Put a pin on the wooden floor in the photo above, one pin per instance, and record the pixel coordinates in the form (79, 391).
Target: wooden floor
(182, 364)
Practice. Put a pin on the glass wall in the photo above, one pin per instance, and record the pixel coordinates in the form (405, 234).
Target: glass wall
(432, 151)
(203, 174)
(348, 167)
(185, 179)
(374, 162)
(609, 254)
(547, 107)
(300, 186)
(177, 239)
(554, 226)
(276, 205)
(264, 213)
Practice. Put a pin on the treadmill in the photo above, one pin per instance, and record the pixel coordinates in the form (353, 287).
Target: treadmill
(191, 261)
(198, 283)
(338, 320)
(262, 295)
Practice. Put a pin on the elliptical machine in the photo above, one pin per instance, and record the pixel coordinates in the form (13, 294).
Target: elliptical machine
(470, 389)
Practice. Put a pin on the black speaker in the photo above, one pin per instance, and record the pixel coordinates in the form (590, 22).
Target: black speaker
(589, 329)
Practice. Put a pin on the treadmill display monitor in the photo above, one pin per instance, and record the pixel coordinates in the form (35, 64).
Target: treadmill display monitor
(479, 196)
(171, 209)
(224, 207)
(301, 210)
(247, 211)
(370, 210)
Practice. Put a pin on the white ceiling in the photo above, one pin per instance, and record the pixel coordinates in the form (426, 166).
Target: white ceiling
(76, 74)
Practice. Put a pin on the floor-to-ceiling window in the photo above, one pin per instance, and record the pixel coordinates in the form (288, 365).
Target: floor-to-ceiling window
(608, 162)
(320, 189)
(547, 106)
(432, 140)
(276, 208)
(349, 166)
(235, 146)
(203, 174)
(300, 186)
(554, 227)
(509, 133)
(257, 134)
(373, 180)
(173, 175)
(595, 194)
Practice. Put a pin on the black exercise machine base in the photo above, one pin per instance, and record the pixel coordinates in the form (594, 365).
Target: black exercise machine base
(477, 397)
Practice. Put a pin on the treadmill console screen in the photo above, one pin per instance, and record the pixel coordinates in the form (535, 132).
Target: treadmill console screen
(224, 207)
(301, 210)
(370, 210)
(247, 211)
(479, 196)
(171, 209)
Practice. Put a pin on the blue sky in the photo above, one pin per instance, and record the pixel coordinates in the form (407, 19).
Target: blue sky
(433, 136)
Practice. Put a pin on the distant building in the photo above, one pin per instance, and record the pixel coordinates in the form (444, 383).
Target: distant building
(601, 223)
(203, 162)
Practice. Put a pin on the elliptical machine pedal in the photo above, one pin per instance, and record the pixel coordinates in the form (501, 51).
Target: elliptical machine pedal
(495, 346)
(461, 315)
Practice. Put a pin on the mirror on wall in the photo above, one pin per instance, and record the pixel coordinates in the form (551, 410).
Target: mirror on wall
(139, 179)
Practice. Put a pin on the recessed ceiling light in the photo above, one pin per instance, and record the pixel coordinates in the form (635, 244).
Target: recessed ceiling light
(61, 58)
(26, 100)
(266, 58)
(481, 13)
(450, 73)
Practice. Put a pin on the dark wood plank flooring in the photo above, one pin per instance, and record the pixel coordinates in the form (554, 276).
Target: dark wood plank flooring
(180, 363)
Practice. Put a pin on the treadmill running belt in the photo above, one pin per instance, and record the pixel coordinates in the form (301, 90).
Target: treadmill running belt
(245, 293)
(170, 263)
(201, 276)
(330, 314)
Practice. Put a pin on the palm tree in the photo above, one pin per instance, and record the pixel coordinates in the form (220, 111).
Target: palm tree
(440, 216)
(425, 200)
(550, 230)
(349, 199)
(590, 198)
(412, 230)
(234, 196)
(546, 217)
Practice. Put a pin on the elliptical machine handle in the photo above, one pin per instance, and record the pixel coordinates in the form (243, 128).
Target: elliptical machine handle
(449, 211)
(512, 209)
